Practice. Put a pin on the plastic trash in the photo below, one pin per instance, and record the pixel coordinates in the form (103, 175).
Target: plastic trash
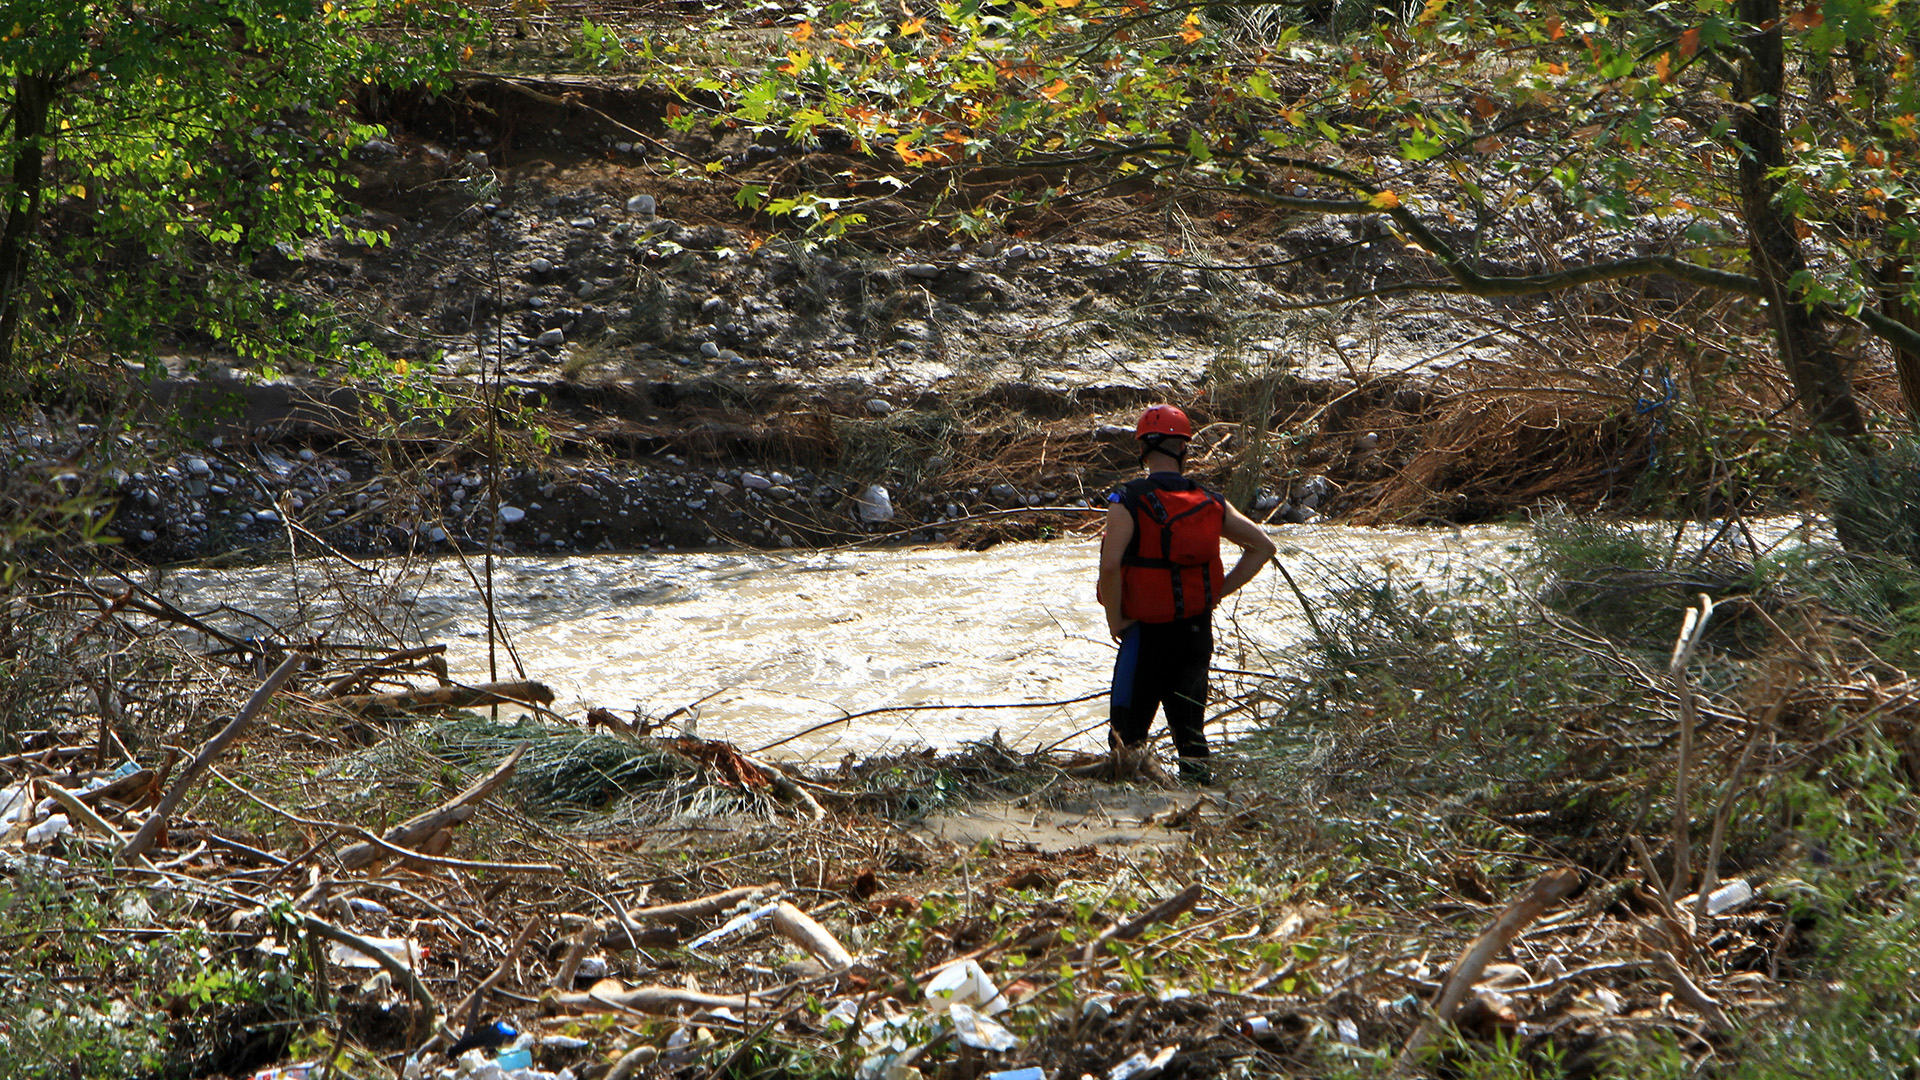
(1031, 1072)
(405, 950)
(977, 1031)
(514, 1059)
(965, 983)
(1348, 1030)
(48, 829)
(841, 1014)
(736, 923)
(1142, 1067)
(1257, 1026)
(1729, 897)
(286, 1072)
(875, 505)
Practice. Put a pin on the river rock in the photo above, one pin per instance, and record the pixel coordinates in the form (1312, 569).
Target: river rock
(642, 204)
(722, 489)
(709, 350)
(921, 270)
(780, 478)
(266, 517)
(780, 491)
(880, 407)
(512, 515)
(551, 338)
(199, 467)
(755, 482)
(875, 505)
(1004, 494)
(541, 265)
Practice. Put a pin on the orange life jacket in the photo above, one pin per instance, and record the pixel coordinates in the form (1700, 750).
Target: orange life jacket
(1172, 569)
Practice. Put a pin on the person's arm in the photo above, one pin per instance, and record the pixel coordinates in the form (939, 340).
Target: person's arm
(1113, 548)
(1256, 549)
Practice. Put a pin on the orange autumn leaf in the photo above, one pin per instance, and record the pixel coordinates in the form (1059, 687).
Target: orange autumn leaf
(1555, 29)
(1689, 43)
(1385, 200)
(1663, 67)
(1556, 69)
(911, 27)
(802, 32)
(1806, 18)
(1055, 88)
(1485, 106)
(1190, 30)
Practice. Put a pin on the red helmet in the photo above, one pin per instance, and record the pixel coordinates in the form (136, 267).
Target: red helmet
(1167, 421)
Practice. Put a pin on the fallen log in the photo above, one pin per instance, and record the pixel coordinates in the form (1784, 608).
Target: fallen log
(1547, 889)
(449, 697)
(434, 655)
(425, 828)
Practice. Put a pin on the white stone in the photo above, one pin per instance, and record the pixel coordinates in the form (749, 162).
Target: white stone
(541, 266)
(199, 467)
(642, 204)
(267, 517)
(709, 350)
(921, 270)
(512, 515)
(551, 338)
(755, 482)
(880, 406)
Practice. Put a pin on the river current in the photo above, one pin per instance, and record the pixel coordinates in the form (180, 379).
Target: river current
(772, 644)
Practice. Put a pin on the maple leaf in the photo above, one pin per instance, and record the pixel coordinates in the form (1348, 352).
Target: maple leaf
(912, 26)
(802, 32)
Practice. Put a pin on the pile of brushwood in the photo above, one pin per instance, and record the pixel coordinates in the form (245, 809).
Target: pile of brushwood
(1645, 807)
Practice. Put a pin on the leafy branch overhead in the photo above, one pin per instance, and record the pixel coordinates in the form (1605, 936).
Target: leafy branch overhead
(1739, 145)
(175, 134)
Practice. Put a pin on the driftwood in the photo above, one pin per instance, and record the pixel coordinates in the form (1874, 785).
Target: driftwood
(632, 927)
(1695, 998)
(434, 655)
(133, 784)
(156, 821)
(1546, 890)
(426, 830)
(449, 697)
(654, 1000)
(1692, 628)
(800, 928)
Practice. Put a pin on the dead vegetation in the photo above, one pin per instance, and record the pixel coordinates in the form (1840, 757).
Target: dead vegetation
(1451, 850)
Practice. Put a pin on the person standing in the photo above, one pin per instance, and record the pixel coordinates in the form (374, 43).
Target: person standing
(1161, 576)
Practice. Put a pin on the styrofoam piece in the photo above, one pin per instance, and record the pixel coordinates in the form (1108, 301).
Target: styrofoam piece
(405, 950)
(965, 983)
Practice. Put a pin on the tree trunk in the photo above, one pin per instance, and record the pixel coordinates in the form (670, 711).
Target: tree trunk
(1805, 346)
(32, 102)
(1894, 277)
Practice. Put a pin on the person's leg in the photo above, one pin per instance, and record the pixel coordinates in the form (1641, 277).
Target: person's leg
(1130, 711)
(1190, 655)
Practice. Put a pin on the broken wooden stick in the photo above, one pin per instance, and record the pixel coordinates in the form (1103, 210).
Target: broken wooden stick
(1547, 889)
(653, 1000)
(1686, 990)
(801, 929)
(472, 1001)
(530, 694)
(1693, 627)
(424, 828)
(616, 931)
(156, 821)
(434, 655)
(402, 973)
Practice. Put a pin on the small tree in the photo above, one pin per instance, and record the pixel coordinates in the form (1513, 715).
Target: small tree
(146, 142)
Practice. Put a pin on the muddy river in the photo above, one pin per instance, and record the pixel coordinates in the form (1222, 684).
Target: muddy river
(872, 650)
